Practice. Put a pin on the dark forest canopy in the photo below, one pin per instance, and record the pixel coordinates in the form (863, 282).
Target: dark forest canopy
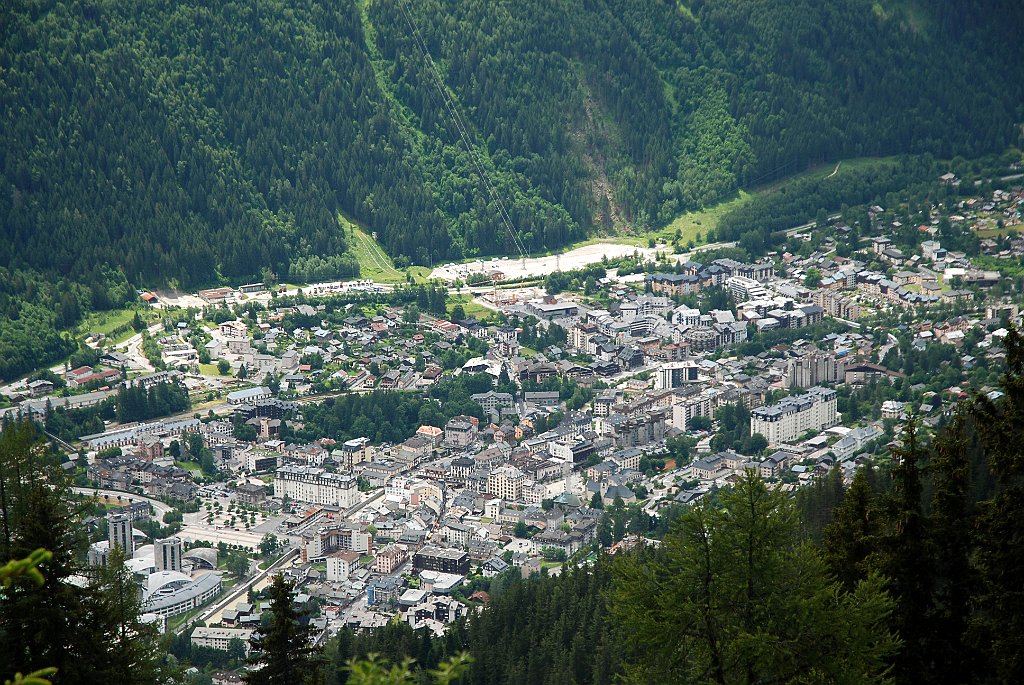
(180, 141)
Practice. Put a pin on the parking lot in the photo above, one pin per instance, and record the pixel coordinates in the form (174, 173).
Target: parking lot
(198, 531)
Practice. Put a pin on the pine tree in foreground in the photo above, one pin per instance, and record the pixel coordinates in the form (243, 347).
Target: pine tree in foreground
(89, 632)
(283, 652)
(733, 596)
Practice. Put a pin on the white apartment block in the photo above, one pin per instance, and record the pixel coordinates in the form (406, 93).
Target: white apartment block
(743, 289)
(167, 554)
(506, 482)
(318, 545)
(120, 534)
(702, 404)
(316, 486)
(220, 638)
(340, 565)
(815, 410)
(676, 374)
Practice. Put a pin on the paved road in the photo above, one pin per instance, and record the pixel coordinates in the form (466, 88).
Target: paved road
(236, 592)
(886, 347)
(161, 508)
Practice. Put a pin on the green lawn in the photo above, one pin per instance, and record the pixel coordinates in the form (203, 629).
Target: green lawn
(109, 321)
(420, 274)
(1005, 230)
(190, 466)
(174, 621)
(692, 223)
(209, 370)
(471, 308)
(374, 263)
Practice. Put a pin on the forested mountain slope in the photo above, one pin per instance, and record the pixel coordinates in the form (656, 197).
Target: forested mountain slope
(178, 140)
(185, 142)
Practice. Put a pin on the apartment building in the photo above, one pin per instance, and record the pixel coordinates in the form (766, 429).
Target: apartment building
(316, 486)
(506, 482)
(814, 410)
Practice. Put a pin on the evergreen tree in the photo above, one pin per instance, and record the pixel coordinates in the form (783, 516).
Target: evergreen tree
(732, 597)
(952, 659)
(907, 556)
(283, 653)
(114, 610)
(852, 536)
(998, 622)
(89, 632)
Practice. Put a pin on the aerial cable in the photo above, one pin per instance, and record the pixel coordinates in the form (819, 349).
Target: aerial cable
(452, 108)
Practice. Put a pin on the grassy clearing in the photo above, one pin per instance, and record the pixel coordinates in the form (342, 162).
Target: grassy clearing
(420, 274)
(471, 308)
(1005, 230)
(115, 324)
(692, 224)
(210, 370)
(695, 225)
(374, 263)
(174, 622)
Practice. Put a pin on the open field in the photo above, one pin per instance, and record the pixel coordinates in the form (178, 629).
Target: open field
(211, 370)
(1005, 230)
(471, 308)
(697, 223)
(109, 321)
(374, 263)
(190, 466)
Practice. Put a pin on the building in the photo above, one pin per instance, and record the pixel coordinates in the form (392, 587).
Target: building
(674, 285)
(352, 452)
(173, 593)
(253, 495)
(330, 539)
(316, 485)
(865, 372)
(742, 289)
(506, 482)
(542, 398)
(249, 395)
(814, 368)
(220, 638)
(340, 565)
(676, 374)
(389, 559)
(260, 460)
(692, 403)
(494, 402)
(167, 554)
(432, 558)
(786, 421)
(119, 530)
(459, 432)
(99, 553)
(384, 591)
